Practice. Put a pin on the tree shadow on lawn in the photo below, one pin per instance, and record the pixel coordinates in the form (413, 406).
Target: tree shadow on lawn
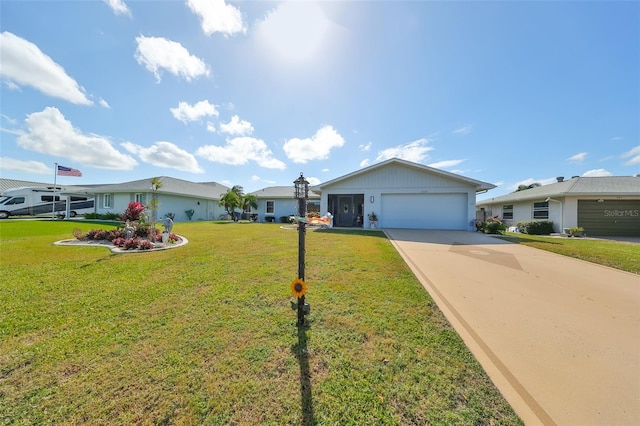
(302, 354)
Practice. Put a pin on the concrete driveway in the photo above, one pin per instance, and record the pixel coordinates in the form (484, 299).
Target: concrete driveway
(558, 336)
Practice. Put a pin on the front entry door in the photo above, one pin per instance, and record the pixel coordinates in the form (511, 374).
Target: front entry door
(345, 211)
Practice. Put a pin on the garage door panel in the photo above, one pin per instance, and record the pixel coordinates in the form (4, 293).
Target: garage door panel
(610, 217)
(424, 211)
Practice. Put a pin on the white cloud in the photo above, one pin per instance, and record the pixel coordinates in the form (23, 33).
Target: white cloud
(633, 155)
(185, 112)
(445, 164)
(104, 103)
(240, 151)
(10, 84)
(217, 17)
(25, 166)
(325, 170)
(313, 181)
(50, 133)
(9, 119)
(255, 178)
(11, 131)
(165, 154)
(578, 158)
(415, 151)
(316, 147)
(119, 7)
(596, 173)
(211, 127)
(157, 53)
(465, 130)
(24, 64)
(365, 147)
(364, 163)
(237, 127)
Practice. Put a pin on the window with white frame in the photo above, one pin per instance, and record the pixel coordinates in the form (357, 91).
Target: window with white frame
(541, 210)
(270, 207)
(107, 201)
(507, 211)
(139, 197)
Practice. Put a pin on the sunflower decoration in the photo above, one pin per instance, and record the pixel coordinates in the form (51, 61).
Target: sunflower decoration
(298, 287)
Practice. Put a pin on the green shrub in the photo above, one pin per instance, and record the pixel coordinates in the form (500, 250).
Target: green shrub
(93, 216)
(110, 216)
(493, 227)
(536, 227)
(576, 231)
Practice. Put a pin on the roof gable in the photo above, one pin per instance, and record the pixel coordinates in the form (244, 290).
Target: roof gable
(414, 174)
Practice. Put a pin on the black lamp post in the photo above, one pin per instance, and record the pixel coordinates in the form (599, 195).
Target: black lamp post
(301, 193)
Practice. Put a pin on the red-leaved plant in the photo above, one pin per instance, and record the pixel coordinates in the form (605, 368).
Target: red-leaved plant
(145, 245)
(131, 244)
(133, 211)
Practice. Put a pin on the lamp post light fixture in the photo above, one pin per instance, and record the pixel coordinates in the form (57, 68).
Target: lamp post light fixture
(301, 193)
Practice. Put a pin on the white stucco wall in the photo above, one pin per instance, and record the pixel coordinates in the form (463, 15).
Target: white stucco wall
(398, 179)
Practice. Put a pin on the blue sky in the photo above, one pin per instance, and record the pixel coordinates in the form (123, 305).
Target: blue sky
(252, 93)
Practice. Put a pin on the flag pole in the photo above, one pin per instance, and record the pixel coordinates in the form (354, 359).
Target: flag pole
(55, 175)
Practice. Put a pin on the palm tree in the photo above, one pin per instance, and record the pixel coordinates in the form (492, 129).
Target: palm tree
(525, 187)
(235, 198)
(231, 200)
(248, 201)
(156, 184)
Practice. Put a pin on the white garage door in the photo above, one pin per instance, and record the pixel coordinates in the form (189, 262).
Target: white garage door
(424, 211)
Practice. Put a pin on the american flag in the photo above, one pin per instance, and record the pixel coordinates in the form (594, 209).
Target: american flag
(68, 171)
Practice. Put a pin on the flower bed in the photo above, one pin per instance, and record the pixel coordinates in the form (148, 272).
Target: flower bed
(119, 242)
(118, 238)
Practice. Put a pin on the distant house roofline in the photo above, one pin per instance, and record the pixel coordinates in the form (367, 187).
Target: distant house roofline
(576, 186)
(285, 191)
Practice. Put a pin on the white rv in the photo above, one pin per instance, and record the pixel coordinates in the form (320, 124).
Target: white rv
(40, 201)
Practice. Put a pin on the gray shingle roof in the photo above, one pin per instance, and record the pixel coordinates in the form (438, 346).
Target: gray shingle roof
(280, 192)
(210, 190)
(597, 186)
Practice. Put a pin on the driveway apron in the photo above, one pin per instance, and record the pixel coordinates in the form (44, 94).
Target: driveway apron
(558, 336)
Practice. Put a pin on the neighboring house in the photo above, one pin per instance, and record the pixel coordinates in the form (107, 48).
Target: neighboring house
(606, 206)
(6, 184)
(174, 196)
(402, 194)
(275, 202)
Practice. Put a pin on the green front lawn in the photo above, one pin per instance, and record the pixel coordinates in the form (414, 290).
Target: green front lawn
(204, 334)
(619, 255)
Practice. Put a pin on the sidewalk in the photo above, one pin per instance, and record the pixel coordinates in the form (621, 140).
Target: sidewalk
(558, 336)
